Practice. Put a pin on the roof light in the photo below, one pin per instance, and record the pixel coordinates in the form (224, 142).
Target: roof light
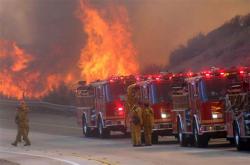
(242, 72)
(222, 73)
(190, 74)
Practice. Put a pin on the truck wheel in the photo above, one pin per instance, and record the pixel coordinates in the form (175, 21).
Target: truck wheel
(199, 140)
(231, 141)
(85, 129)
(155, 139)
(181, 136)
(142, 138)
(240, 145)
(102, 132)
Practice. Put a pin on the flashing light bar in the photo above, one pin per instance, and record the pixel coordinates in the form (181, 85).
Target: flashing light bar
(207, 74)
(158, 78)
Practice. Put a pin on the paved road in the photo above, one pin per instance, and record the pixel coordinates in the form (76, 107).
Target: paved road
(56, 139)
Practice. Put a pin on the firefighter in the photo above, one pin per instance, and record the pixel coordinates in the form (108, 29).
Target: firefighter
(135, 113)
(148, 121)
(131, 98)
(21, 120)
(130, 101)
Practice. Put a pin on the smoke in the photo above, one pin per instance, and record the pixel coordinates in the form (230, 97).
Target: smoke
(160, 26)
(50, 31)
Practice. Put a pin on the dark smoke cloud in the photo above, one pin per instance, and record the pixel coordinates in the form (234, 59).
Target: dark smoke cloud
(49, 29)
(159, 26)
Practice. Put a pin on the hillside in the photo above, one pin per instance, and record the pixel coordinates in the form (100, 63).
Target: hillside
(228, 45)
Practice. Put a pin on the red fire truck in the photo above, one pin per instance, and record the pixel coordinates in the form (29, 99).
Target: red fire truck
(238, 108)
(156, 91)
(101, 105)
(199, 108)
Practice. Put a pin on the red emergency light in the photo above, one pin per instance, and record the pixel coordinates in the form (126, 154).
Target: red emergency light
(190, 74)
(222, 73)
(207, 74)
(158, 78)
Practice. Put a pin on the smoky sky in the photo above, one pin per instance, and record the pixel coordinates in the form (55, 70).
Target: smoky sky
(50, 30)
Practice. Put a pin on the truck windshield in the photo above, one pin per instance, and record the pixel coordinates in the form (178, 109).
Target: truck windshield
(115, 91)
(161, 92)
(215, 88)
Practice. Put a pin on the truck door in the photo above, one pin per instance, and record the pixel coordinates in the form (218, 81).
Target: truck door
(193, 105)
(99, 102)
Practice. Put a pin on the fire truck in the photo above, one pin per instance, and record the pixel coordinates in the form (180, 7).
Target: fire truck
(101, 106)
(238, 108)
(198, 105)
(156, 91)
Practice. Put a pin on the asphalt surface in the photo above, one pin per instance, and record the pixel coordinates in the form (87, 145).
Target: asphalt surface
(56, 139)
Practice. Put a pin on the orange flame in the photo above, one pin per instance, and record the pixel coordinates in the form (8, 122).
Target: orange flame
(17, 80)
(109, 50)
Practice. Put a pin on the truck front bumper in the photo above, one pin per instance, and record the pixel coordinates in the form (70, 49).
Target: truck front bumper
(163, 129)
(214, 131)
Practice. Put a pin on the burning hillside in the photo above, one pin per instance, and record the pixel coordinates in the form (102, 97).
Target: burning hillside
(18, 80)
(33, 72)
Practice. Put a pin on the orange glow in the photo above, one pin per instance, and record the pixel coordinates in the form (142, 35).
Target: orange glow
(17, 80)
(109, 50)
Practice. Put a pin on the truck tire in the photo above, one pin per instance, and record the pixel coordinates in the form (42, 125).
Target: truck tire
(142, 138)
(181, 136)
(199, 140)
(155, 139)
(102, 132)
(85, 129)
(240, 145)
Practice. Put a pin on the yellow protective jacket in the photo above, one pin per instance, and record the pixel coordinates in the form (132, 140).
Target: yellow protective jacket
(22, 117)
(131, 99)
(136, 114)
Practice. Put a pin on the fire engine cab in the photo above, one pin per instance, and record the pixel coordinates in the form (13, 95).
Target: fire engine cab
(101, 105)
(238, 107)
(199, 108)
(156, 91)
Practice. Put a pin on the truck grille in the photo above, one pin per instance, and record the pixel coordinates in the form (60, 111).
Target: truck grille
(180, 102)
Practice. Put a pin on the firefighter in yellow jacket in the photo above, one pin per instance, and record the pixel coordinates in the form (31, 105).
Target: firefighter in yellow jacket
(22, 124)
(148, 122)
(134, 112)
(136, 124)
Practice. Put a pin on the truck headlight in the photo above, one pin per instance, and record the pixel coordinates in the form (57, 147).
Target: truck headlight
(163, 115)
(216, 115)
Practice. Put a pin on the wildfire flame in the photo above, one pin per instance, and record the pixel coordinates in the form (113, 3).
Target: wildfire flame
(18, 80)
(109, 50)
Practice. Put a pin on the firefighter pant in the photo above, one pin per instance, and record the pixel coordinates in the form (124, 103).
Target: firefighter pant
(136, 134)
(148, 135)
(21, 137)
(22, 132)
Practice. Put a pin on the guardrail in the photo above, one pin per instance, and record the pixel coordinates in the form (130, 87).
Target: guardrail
(42, 105)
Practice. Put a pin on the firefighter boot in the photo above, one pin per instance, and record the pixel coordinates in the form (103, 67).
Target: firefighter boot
(14, 144)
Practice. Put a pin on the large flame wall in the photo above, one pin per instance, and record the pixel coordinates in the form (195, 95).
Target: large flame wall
(109, 50)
